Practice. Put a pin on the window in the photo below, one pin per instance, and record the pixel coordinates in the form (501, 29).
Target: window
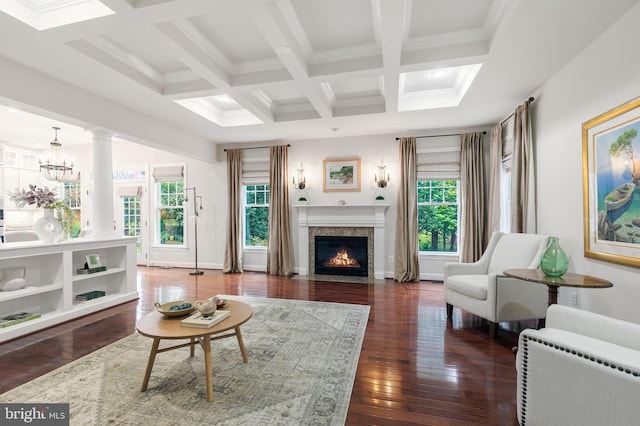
(256, 209)
(131, 220)
(438, 216)
(71, 196)
(170, 212)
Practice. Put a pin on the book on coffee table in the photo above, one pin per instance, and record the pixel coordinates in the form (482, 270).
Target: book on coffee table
(200, 321)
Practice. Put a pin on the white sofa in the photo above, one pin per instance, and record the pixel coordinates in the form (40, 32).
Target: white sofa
(482, 289)
(581, 369)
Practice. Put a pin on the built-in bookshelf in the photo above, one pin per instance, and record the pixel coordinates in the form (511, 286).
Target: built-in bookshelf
(52, 282)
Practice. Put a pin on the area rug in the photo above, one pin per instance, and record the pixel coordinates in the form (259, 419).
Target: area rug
(302, 362)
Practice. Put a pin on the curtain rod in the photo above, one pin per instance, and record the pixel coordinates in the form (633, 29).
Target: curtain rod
(256, 147)
(531, 99)
(439, 136)
(512, 114)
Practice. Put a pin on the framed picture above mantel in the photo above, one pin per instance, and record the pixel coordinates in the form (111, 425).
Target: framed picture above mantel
(611, 178)
(341, 175)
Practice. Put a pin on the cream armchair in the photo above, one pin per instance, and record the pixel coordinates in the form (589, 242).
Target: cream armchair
(480, 287)
(581, 369)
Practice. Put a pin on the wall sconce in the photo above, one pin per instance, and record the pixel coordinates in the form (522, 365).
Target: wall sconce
(382, 177)
(301, 183)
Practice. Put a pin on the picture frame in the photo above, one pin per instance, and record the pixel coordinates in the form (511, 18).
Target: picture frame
(341, 175)
(93, 261)
(611, 185)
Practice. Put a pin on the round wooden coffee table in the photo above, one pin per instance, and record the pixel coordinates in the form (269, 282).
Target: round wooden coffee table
(158, 327)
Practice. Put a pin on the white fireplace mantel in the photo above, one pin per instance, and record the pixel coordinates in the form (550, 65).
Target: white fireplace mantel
(338, 215)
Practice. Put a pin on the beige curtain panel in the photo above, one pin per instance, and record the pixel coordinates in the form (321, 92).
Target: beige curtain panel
(279, 248)
(472, 216)
(523, 205)
(407, 267)
(493, 185)
(233, 248)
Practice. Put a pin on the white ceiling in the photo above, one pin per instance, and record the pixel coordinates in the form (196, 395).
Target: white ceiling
(293, 69)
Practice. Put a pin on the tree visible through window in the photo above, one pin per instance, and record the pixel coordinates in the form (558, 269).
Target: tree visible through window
(256, 208)
(72, 199)
(438, 215)
(171, 213)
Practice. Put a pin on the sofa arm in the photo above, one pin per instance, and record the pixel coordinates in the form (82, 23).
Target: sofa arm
(569, 379)
(594, 325)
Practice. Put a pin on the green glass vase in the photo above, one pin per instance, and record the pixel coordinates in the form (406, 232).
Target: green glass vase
(554, 261)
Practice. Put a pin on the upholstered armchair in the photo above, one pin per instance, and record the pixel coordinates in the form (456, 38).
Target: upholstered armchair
(581, 369)
(481, 289)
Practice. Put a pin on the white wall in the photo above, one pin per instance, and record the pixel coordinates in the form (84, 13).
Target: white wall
(210, 181)
(602, 77)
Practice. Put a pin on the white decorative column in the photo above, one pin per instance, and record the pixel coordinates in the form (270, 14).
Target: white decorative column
(102, 184)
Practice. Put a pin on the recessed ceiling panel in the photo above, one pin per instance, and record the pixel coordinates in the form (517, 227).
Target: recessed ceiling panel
(421, 81)
(365, 86)
(234, 35)
(437, 88)
(45, 14)
(144, 46)
(284, 94)
(352, 25)
(431, 17)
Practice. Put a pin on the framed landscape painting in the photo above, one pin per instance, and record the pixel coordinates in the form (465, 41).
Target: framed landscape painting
(341, 175)
(611, 185)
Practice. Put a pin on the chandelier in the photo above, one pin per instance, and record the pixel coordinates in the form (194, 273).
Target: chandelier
(56, 168)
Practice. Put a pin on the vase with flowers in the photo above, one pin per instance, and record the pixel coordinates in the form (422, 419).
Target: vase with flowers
(47, 227)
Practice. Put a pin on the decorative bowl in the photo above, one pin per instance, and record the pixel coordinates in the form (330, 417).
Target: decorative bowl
(165, 308)
(221, 303)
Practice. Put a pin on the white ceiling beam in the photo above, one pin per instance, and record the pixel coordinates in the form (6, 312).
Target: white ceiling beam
(272, 23)
(189, 53)
(196, 52)
(391, 19)
(96, 50)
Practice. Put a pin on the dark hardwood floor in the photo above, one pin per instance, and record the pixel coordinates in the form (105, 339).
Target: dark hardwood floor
(416, 368)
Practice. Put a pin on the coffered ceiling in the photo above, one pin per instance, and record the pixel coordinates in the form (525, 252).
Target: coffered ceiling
(225, 72)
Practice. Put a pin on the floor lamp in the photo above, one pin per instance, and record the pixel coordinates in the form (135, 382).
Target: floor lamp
(197, 205)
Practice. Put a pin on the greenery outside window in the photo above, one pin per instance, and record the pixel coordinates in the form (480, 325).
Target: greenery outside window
(71, 196)
(170, 212)
(256, 217)
(438, 216)
(131, 219)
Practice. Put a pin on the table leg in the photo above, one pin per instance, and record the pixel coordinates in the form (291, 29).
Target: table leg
(192, 347)
(241, 343)
(208, 371)
(152, 358)
(553, 294)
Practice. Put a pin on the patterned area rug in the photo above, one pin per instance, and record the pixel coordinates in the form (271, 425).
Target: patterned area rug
(302, 362)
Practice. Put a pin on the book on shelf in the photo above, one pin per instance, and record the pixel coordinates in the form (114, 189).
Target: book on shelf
(14, 319)
(199, 321)
(91, 270)
(90, 295)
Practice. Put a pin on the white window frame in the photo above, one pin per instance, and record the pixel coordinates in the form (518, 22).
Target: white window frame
(430, 203)
(158, 207)
(245, 205)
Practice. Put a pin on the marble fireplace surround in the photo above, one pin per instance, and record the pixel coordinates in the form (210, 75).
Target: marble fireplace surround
(348, 220)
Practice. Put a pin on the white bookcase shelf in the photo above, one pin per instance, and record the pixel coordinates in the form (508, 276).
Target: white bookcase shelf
(52, 282)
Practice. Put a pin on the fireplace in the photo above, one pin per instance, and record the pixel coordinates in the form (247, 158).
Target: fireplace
(341, 255)
(342, 221)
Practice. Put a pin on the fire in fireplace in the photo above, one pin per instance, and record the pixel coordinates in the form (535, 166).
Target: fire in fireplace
(340, 255)
(342, 259)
